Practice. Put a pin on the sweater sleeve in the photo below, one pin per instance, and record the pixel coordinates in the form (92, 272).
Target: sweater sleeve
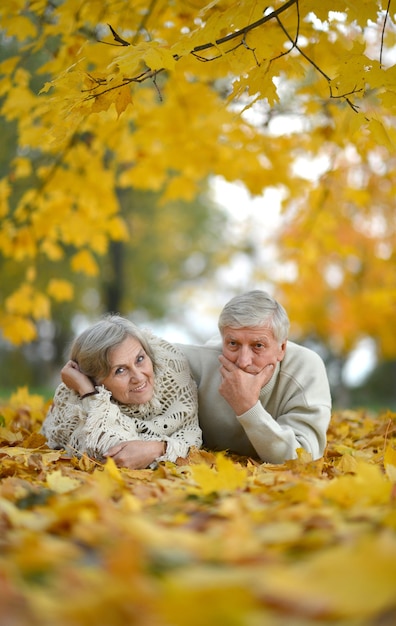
(302, 416)
(277, 440)
(90, 425)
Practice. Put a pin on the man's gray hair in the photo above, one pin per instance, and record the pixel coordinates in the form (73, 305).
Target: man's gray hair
(253, 309)
(91, 349)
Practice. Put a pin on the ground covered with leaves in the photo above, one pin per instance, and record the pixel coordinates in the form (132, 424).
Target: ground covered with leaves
(213, 539)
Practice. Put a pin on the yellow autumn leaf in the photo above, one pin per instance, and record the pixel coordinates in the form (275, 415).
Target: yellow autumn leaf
(85, 263)
(19, 26)
(5, 191)
(23, 397)
(381, 135)
(22, 167)
(23, 520)
(108, 478)
(122, 99)
(21, 453)
(52, 250)
(367, 486)
(390, 463)
(17, 329)
(59, 483)
(117, 229)
(24, 244)
(157, 57)
(346, 581)
(60, 290)
(28, 301)
(111, 470)
(8, 66)
(10, 437)
(225, 476)
(179, 187)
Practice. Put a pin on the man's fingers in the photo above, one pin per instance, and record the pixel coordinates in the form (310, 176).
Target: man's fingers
(225, 363)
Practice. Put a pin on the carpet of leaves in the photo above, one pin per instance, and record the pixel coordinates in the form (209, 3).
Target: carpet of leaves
(213, 539)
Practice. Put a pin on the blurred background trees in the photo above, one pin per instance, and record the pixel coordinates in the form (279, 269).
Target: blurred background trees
(125, 149)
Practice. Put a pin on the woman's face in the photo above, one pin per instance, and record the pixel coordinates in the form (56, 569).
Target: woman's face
(131, 377)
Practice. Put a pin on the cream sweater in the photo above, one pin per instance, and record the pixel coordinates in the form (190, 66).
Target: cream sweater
(96, 423)
(293, 410)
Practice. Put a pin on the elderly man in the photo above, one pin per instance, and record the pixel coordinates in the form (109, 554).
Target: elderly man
(259, 394)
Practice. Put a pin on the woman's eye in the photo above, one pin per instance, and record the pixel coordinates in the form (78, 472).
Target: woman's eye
(119, 370)
(140, 358)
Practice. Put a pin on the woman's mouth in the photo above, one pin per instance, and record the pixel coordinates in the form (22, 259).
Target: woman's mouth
(139, 387)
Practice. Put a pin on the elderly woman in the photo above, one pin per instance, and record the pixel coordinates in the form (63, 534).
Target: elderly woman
(125, 394)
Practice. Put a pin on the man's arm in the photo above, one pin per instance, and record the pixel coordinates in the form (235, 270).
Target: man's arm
(276, 441)
(291, 411)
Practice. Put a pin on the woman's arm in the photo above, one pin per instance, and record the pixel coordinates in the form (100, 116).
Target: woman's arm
(88, 425)
(62, 418)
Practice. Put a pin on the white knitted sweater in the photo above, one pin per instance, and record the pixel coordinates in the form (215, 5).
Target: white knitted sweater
(95, 424)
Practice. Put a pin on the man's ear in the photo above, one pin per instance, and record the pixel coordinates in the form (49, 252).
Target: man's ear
(282, 350)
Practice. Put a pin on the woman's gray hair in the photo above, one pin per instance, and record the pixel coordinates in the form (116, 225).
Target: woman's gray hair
(91, 349)
(253, 309)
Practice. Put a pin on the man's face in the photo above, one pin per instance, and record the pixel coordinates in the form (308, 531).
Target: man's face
(251, 349)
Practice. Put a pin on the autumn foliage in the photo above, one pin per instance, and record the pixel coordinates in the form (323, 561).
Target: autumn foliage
(159, 96)
(210, 540)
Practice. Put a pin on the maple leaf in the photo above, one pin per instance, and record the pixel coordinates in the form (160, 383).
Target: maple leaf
(84, 262)
(390, 463)
(122, 99)
(60, 290)
(59, 483)
(225, 476)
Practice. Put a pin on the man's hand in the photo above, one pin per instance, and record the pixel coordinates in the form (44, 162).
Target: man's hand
(239, 388)
(136, 454)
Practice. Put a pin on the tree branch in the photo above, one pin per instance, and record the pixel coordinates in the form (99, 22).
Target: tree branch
(241, 33)
(145, 18)
(383, 32)
(246, 29)
(297, 47)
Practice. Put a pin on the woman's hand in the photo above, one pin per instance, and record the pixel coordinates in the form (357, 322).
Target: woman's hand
(136, 454)
(73, 378)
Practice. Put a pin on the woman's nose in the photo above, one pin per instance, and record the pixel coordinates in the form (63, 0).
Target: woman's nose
(134, 375)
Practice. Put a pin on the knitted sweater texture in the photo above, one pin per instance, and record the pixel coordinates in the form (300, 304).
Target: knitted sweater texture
(293, 410)
(93, 425)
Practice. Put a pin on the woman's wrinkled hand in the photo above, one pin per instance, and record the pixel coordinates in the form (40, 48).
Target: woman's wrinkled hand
(136, 454)
(73, 378)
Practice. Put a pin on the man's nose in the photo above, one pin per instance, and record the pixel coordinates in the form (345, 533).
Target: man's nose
(244, 357)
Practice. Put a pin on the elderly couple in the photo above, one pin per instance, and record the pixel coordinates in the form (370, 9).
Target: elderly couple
(129, 395)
